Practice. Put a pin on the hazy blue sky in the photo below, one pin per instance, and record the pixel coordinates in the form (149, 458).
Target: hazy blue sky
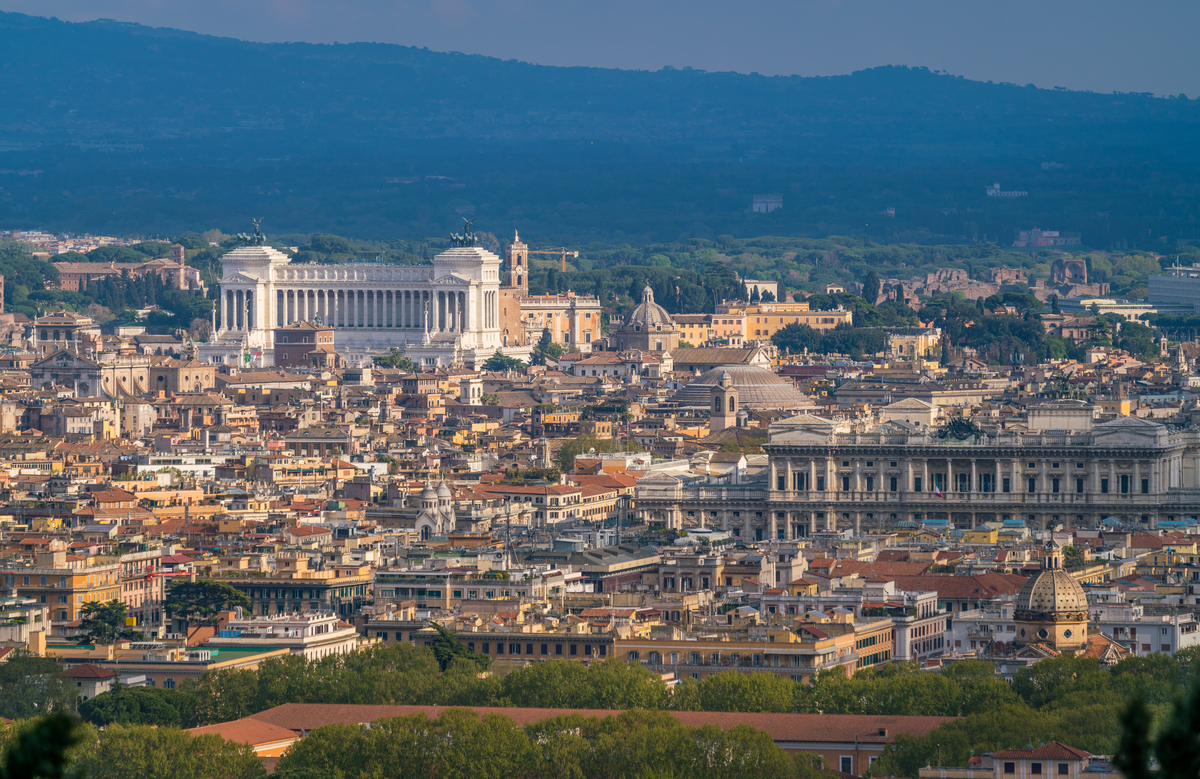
(1103, 45)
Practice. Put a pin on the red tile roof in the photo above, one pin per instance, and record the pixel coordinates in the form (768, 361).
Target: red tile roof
(1055, 750)
(254, 732)
(783, 728)
(89, 671)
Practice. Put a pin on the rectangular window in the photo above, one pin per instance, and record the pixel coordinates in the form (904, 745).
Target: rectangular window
(574, 650)
(1010, 768)
(487, 648)
(893, 484)
(1124, 484)
(1035, 769)
(870, 484)
(545, 649)
(916, 484)
(1032, 484)
(781, 482)
(820, 484)
(1007, 485)
(1054, 485)
(845, 484)
(1079, 486)
(847, 764)
(1064, 769)
(558, 650)
(1104, 486)
(1145, 486)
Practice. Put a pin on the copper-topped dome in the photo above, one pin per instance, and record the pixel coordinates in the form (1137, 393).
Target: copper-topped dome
(1051, 592)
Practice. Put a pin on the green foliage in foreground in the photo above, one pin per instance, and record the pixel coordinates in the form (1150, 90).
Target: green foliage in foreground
(60, 746)
(1073, 700)
(459, 743)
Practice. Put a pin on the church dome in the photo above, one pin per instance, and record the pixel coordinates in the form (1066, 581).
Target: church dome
(1051, 592)
(429, 493)
(648, 315)
(443, 491)
(758, 388)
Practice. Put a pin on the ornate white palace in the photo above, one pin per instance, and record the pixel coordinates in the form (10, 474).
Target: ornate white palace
(437, 314)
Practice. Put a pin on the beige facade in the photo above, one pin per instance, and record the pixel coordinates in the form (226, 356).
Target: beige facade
(764, 320)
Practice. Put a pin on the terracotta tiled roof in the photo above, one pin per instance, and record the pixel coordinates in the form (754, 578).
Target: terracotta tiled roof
(250, 731)
(819, 728)
(1055, 750)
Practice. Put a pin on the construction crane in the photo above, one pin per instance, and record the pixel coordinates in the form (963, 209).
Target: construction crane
(562, 250)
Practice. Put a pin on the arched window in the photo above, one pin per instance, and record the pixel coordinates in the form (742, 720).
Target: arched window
(731, 408)
(717, 405)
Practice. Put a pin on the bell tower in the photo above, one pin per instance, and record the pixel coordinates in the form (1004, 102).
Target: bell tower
(723, 413)
(517, 275)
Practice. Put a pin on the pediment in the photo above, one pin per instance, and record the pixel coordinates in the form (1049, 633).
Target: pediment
(240, 278)
(450, 279)
(63, 359)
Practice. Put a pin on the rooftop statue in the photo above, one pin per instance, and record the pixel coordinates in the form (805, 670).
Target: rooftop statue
(961, 429)
(466, 237)
(257, 239)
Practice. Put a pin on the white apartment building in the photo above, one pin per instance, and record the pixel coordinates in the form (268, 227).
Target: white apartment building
(314, 634)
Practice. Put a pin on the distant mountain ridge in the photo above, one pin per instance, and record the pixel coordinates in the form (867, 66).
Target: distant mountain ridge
(108, 81)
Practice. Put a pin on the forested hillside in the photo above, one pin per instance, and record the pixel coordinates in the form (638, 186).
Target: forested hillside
(120, 128)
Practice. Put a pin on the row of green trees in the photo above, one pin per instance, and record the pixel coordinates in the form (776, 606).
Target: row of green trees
(59, 746)
(1075, 700)
(459, 743)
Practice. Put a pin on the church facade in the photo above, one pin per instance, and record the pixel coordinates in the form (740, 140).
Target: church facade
(437, 314)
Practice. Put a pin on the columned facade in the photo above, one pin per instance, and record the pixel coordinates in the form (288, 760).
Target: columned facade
(438, 314)
(827, 475)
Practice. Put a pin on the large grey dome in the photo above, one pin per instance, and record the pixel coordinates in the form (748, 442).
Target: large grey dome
(648, 315)
(757, 388)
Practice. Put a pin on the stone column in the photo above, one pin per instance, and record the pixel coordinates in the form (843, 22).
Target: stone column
(774, 526)
(996, 485)
(949, 486)
(1136, 487)
(974, 485)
